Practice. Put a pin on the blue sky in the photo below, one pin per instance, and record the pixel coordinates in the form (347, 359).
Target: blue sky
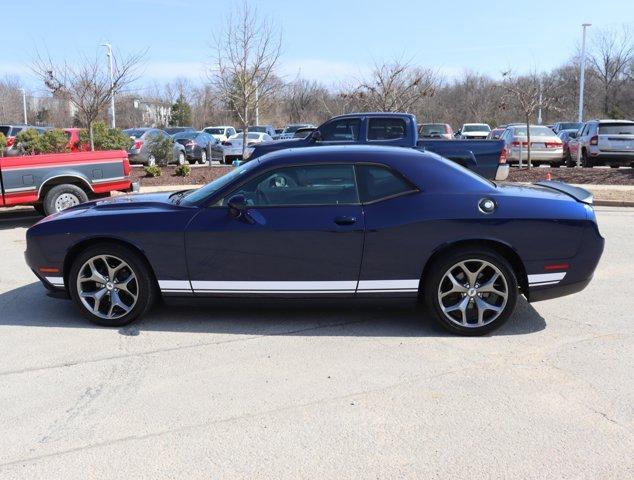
(327, 40)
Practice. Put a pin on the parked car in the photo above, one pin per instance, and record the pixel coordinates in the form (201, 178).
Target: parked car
(605, 142)
(139, 152)
(221, 132)
(435, 130)
(289, 130)
(566, 136)
(397, 130)
(474, 131)
(233, 146)
(200, 147)
(357, 222)
(268, 129)
(546, 147)
(54, 182)
(174, 130)
(10, 132)
(559, 126)
(496, 133)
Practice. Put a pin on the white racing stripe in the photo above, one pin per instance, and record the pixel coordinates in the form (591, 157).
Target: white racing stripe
(546, 278)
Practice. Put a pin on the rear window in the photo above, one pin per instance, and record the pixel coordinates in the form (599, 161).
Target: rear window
(258, 128)
(134, 133)
(535, 132)
(215, 131)
(476, 128)
(570, 126)
(386, 129)
(5, 130)
(616, 128)
(432, 129)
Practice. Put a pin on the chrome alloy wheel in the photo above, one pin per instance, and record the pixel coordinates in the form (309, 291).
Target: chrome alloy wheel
(473, 293)
(66, 200)
(107, 287)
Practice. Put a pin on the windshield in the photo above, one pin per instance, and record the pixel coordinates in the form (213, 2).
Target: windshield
(215, 131)
(570, 126)
(201, 193)
(134, 133)
(616, 128)
(535, 132)
(432, 129)
(476, 128)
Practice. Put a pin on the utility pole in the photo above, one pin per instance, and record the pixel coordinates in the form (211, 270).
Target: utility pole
(257, 104)
(539, 113)
(582, 78)
(109, 55)
(24, 105)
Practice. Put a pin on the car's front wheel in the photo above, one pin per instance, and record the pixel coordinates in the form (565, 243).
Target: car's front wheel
(111, 285)
(203, 157)
(471, 292)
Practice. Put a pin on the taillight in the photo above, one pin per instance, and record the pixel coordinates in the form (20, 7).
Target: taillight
(503, 156)
(138, 144)
(447, 129)
(553, 144)
(517, 144)
(190, 144)
(594, 140)
(126, 167)
(10, 141)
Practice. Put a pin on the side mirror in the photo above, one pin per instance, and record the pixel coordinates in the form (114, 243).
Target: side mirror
(237, 206)
(315, 136)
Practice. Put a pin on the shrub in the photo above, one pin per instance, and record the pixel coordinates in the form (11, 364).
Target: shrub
(106, 138)
(3, 143)
(183, 170)
(53, 141)
(27, 141)
(162, 148)
(153, 171)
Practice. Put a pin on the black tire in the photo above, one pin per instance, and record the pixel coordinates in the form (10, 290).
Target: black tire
(432, 284)
(585, 161)
(39, 208)
(70, 191)
(555, 165)
(203, 157)
(146, 285)
(569, 162)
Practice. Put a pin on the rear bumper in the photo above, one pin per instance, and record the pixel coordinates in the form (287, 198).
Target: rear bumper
(554, 156)
(614, 157)
(537, 294)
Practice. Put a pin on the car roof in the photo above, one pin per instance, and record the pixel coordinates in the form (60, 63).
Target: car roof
(609, 120)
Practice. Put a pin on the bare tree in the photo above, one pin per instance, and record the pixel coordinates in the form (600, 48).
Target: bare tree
(87, 85)
(395, 87)
(611, 55)
(525, 92)
(247, 52)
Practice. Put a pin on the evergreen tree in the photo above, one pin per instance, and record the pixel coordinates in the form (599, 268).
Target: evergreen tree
(181, 114)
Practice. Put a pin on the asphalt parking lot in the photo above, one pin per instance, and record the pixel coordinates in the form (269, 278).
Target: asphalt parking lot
(317, 390)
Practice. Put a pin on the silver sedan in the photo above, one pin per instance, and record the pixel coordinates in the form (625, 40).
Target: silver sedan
(546, 147)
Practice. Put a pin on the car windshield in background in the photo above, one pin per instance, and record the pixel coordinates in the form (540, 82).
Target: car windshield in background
(570, 126)
(134, 133)
(616, 128)
(215, 131)
(432, 129)
(184, 135)
(535, 132)
(201, 193)
(250, 136)
(260, 129)
(476, 128)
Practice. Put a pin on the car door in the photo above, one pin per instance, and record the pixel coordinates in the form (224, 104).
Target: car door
(302, 235)
(215, 149)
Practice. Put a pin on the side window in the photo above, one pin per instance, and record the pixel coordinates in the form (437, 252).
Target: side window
(301, 185)
(344, 130)
(377, 182)
(386, 129)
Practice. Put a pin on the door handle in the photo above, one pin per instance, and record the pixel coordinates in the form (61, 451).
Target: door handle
(345, 220)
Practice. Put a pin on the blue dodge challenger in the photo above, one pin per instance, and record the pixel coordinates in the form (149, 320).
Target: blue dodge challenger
(349, 221)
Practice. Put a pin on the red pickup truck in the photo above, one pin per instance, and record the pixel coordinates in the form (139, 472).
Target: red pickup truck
(54, 182)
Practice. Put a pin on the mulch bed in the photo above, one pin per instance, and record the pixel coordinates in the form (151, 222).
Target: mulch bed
(597, 176)
(198, 176)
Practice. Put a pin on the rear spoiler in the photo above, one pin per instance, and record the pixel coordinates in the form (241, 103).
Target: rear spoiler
(577, 193)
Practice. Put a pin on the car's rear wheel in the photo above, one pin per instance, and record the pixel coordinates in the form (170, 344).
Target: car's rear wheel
(111, 285)
(471, 292)
(203, 157)
(62, 197)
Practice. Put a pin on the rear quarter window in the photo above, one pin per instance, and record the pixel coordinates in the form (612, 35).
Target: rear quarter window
(377, 182)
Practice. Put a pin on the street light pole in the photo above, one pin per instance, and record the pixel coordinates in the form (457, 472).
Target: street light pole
(539, 113)
(24, 105)
(109, 55)
(582, 78)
